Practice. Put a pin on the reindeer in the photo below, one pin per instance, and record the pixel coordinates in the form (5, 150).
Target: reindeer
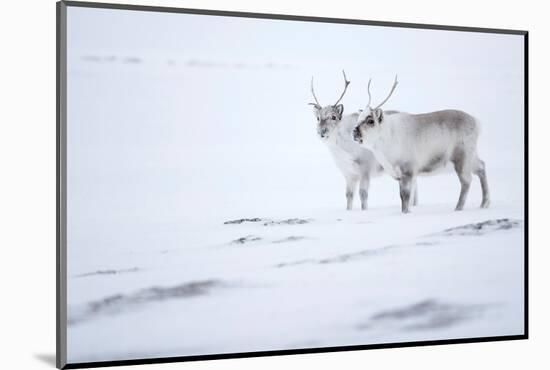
(357, 164)
(408, 145)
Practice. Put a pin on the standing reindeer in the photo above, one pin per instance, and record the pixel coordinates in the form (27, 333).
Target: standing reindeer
(408, 145)
(357, 164)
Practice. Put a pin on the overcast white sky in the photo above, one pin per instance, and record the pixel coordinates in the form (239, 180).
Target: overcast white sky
(285, 41)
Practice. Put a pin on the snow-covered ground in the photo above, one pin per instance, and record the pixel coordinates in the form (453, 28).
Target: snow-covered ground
(170, 140)
(343, 278)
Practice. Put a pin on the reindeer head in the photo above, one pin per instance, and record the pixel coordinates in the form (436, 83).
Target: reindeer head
(328, 117)
(369, 122)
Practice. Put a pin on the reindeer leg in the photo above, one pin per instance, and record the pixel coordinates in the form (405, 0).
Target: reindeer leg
(405, 188)
(350, 189)
(480, 172)
(463, 170)
(415, 193)
(364, 190)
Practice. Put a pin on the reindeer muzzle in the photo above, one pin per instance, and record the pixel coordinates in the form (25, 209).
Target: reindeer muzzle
(323, 132)
(357, 135)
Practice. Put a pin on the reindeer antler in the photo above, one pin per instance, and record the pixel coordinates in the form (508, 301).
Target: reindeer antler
(391, 92)
(314, 96)
(368, 90)
(346, 82)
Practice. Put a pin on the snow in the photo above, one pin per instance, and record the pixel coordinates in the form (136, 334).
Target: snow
(170, 138)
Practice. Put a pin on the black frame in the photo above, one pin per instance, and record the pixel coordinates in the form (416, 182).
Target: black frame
(61, 145)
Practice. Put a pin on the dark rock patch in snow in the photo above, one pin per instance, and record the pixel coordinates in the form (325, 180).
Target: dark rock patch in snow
(289, 221)
(295, 263)
(481, 228)
(118, 303)
(246, 239)
(425, 244)
(289, 239)
(424, 315)
(268, 222)
(418, 309)
(342, 258)
(243, 220)
(361, 254)
(108, 272)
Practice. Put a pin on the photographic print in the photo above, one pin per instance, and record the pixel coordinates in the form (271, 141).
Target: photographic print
(239, 185)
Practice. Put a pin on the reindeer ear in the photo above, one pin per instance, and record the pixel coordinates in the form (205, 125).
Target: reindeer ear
(340, 109)
(379, 114)
(316, 108)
